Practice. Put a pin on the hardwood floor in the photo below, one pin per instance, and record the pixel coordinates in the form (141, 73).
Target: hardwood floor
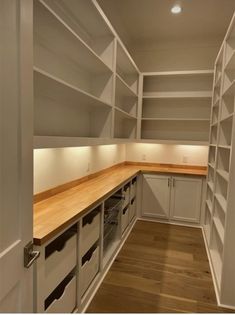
(161, 268)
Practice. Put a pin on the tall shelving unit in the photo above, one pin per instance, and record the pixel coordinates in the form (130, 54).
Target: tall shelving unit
(85, 82)
(220, 201)
(176, 106)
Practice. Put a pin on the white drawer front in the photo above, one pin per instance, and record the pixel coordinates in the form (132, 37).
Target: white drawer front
(90, 234)
(67, 302)
(89, 270)
(125, 220)
(59, 264)
(132, 210)
(126, 195)
(133, 190)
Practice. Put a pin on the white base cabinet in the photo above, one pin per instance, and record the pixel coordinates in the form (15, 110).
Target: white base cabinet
(176, 198)
(156, 196)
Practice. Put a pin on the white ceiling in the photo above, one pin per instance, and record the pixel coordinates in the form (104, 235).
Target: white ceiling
(148, 21)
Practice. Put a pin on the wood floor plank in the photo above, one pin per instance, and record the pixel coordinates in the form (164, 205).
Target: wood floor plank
(161, 269)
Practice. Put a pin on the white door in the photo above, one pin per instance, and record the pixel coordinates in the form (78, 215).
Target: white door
(16, 102)
(156, 196)
(186, 199)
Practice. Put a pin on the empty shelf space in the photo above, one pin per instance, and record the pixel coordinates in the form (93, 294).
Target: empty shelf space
(227, 106)
(176, 109)
(229, 89)
(48, 85)
(223, 174)
(222, 201)
(230, 64)
(225, 131)
(125, 99)
(221, 186)
(212, 151)
(209, 205)
(175, 130)
(60, 51)
(220, 229)
(178, 86)
(125, 87)
(213, 134)
(126, 68)
(211, 185)
(90, 26)
(124, 125)
(182, 94)
(226, 117)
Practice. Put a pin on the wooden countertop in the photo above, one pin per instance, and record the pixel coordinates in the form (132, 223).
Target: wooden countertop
(57, 212)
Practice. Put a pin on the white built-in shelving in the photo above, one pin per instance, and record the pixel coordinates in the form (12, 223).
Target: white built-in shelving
(85, 82)
(176, 106)
(220, 201)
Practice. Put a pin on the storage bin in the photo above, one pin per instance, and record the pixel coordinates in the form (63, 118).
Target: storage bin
(63, 298)
(90, 267)
(132, 209)
(90, 232)
(125, 218)
(60, 259)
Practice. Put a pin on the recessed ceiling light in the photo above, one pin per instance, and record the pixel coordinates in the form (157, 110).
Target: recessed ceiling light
(176, 9)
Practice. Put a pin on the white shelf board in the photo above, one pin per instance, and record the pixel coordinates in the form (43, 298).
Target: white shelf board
(222, 201)
(211, 165)
(223, 174)
(125, 88)
(217, 265)
(209, 205)
(176, 119)
(226, 147)
(230, 65)
(186, 94)
(218, 81)
(227, 117)
(220, 229)
(61, 90)
(211, 185)
(41, 142)
(179, 73)
(181, 142)
(124, 114)
(92, 61)
(230, 90)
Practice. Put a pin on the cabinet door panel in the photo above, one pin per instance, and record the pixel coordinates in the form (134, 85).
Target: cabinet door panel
(186, 199)
(156, 196)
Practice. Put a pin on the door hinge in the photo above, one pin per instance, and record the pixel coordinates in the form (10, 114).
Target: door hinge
(30, 255)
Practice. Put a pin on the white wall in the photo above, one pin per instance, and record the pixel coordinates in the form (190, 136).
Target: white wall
(163, 153)
(53, 167)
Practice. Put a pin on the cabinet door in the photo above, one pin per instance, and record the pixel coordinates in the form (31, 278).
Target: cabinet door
(186, 199)
(156, 196)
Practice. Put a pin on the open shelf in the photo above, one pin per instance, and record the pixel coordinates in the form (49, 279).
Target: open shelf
(221, 187)
(219, 220)
(209, 199)
(225, 132)
(212, 151)
(126, 69)
(207, 223)
(223, 160)
(124, 125)
(213, 134)
(227, 105)
(216, 252)
(215, 115)
(191, 109)
(181, 94)
(63, 110)
(175, 130)
(61, 53)
(125, 98)
(222, 201)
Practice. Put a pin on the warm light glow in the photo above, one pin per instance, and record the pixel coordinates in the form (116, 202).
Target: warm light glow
(176, 9)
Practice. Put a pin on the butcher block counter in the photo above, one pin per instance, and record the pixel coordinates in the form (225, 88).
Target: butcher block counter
(55, 213)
